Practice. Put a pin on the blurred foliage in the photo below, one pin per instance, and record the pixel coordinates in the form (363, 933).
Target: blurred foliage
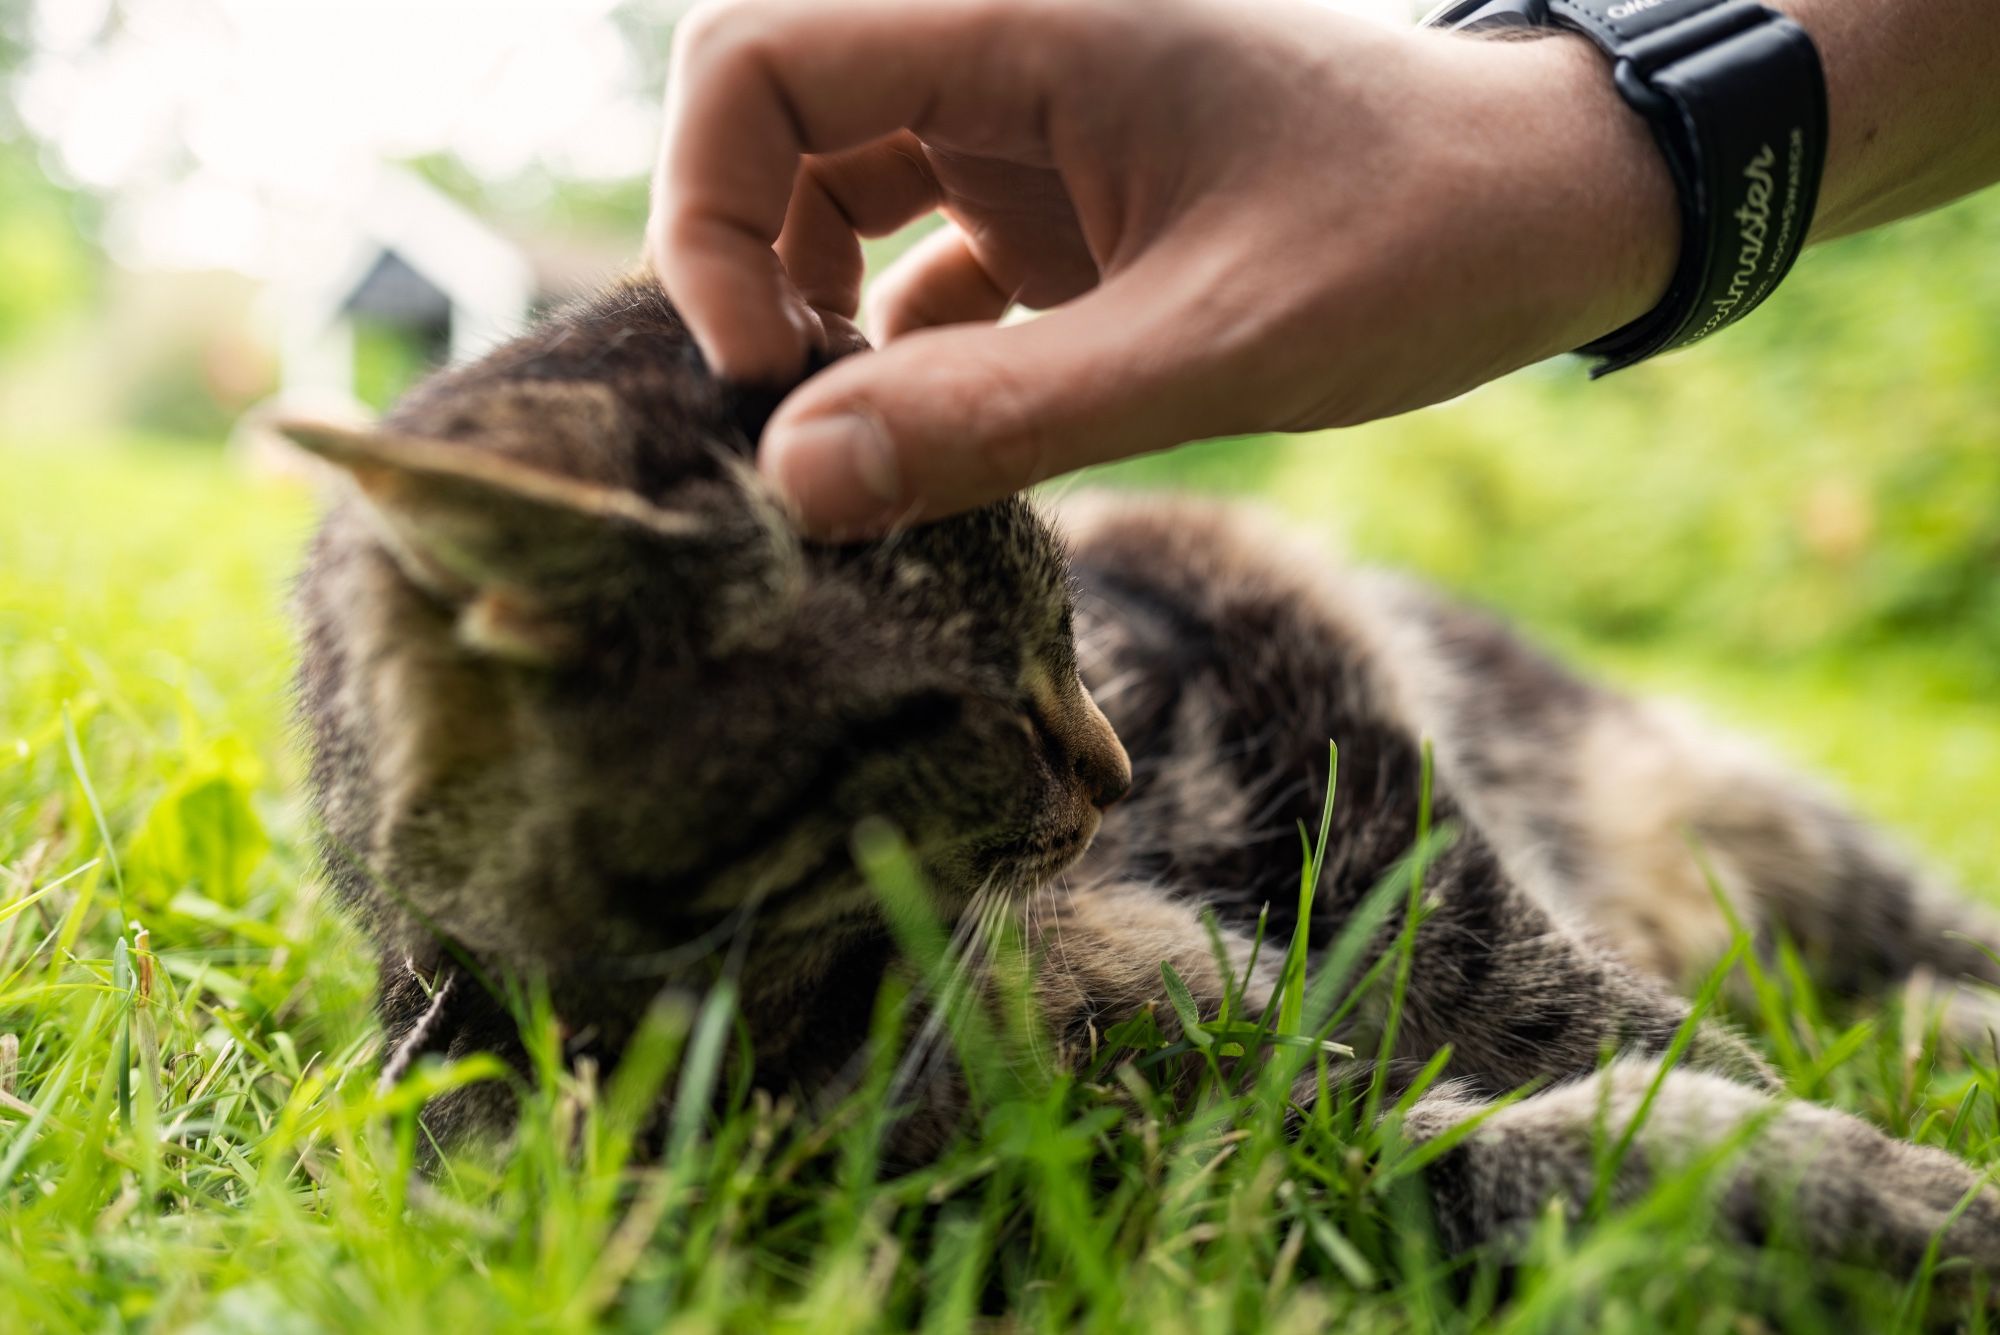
(51, 266)
(43, 227)
(540, 202)
(169, 395)
(1824, 477)
(14, 19)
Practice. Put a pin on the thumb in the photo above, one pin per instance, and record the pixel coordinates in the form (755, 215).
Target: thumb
(943, 420)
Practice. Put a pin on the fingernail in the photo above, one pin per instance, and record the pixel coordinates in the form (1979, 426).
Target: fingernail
(840, 467)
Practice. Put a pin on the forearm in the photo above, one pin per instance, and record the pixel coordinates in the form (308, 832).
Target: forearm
(1913, 94)
(1914, 122)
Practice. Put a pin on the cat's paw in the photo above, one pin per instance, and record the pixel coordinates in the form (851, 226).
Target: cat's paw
(1967, 1014)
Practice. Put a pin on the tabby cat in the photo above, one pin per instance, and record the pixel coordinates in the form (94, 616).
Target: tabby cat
(583, 706)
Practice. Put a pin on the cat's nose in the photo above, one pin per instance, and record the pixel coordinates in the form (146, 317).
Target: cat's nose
(1099, 758)
(1106, 772)
(1080, 737)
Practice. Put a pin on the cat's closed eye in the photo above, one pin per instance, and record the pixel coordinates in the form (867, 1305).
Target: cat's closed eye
(914, 719)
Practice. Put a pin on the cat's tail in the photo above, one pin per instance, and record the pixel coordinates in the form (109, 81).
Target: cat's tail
(1838, 887)
(1624, 816)
(1784, 1172)
(1796, 862)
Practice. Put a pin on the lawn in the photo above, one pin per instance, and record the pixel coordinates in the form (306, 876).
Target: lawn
(1797, 527)
(192, 1140)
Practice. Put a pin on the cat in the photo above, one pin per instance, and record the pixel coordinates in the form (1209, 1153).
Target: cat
(583, 706)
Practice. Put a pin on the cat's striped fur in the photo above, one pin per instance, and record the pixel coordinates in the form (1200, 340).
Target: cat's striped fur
(583, 706)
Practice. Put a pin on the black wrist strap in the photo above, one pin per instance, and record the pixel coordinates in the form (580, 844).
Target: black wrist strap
(1735, 98)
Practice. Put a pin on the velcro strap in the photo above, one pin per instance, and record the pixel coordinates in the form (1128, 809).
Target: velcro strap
(1735, 98)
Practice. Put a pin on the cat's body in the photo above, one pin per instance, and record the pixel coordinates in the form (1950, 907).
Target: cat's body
(584, 708)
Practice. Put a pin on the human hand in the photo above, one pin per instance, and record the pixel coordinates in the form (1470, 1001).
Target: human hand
(1238, 217)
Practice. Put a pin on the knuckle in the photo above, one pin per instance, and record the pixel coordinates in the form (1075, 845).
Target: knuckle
(718, 30)
(996, 15)
(888, 313)
(1042, 39)
(1099, 25)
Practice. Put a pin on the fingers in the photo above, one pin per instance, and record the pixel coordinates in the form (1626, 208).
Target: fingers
(756, 85)
(841, 197)
(947, 419)
(939, 282)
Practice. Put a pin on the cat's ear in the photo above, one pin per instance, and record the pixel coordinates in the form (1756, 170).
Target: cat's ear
(522, 551)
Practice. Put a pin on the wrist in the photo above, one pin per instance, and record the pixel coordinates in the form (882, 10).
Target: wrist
(1611, 230)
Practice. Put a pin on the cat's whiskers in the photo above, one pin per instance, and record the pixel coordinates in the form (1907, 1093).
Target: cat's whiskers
(969, 950)
(1112, 691)
(1058, 954)
(1050, 495)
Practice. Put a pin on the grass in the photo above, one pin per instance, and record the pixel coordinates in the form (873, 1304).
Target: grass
(193, 1141)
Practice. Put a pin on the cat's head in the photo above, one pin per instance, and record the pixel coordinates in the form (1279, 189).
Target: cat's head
(585, 635)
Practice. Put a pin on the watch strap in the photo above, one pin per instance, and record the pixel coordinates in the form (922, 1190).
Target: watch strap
(1734, 96)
